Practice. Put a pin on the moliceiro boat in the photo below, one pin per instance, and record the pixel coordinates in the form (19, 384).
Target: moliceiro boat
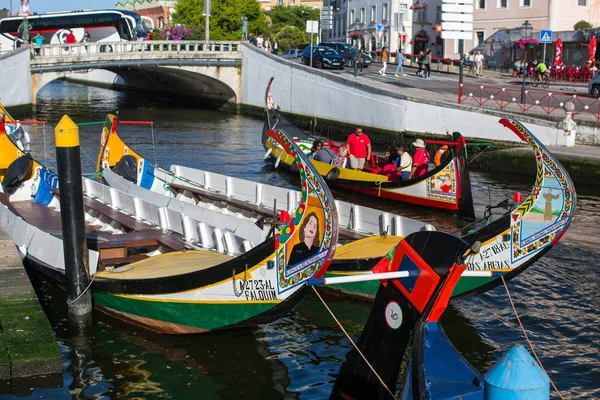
(447, 186)
(166, 271)
(366, 234)
(405, 314)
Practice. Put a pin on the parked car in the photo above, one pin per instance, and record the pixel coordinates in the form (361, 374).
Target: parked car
(292, 54)
(594, 85)
(323, 57)
(348, 52)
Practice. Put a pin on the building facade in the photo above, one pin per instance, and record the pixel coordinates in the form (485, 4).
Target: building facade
(266, 5)
(157, 11)
(356, 21)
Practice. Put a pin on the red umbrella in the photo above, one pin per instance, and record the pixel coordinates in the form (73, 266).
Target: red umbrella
(592, 49)
(558, 58)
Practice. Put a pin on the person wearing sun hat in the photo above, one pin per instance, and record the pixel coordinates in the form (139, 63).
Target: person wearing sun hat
(420, 160)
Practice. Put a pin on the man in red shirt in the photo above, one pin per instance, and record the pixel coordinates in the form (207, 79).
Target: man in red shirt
(420, 160)
(359, 148)
(70, 38)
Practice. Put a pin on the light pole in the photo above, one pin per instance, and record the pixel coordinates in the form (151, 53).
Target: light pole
(526, 31)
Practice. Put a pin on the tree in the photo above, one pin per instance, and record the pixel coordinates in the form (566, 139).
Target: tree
(582, 25)
(284, 16)
(225, 19)
(290, 37)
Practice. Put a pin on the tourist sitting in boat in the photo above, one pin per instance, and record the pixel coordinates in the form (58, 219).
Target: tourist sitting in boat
(342, 158)
(420, 160)
(320, 152)
(404, 163)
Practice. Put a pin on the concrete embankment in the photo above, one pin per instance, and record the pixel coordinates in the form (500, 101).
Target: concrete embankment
(28, 347)
(313, 93)
(15, 87)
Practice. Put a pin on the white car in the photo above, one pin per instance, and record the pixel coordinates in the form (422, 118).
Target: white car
(292, 54)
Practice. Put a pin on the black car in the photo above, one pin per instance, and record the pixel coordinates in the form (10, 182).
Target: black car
(348, 52)
(323, 57)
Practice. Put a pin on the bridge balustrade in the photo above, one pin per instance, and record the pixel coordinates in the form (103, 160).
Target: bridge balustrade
(153, 46)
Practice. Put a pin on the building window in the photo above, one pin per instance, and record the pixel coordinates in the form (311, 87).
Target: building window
(502, 3)
(479, 38)
(161, 22)
(352, 16)
(582, 3)
(292, 2)
(362, 15)
(373, 13)
(525, 3)
(422, 15)
(480, 4)
(438, 15)
(384, 12)
(280, 2)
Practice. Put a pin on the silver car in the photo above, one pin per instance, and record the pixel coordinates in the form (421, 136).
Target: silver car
(594, 85)
(292, 54)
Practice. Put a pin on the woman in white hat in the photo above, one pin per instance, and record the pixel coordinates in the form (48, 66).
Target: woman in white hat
(420, 160)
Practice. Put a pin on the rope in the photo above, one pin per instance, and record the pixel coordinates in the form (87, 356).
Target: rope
(527, 337)
(244, 284)
(84, 292)
(94, 162)
(353, 344)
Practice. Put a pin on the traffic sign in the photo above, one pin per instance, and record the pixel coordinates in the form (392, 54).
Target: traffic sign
(457, 26)
(379, 27)
(312, 26)
(457, 35)
(325, 25)
(545, 36)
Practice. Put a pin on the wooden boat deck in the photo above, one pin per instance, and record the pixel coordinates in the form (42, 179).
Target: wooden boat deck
(169, 264)
(371, 247)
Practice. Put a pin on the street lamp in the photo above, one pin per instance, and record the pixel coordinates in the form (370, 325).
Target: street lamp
(526, 31)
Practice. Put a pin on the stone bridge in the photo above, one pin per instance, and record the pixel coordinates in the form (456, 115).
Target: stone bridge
(205, 75)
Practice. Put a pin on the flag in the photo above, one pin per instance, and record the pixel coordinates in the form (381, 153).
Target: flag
(592, 50)
(558, 48)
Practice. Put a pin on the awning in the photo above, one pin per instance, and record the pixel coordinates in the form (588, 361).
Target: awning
(421, 38)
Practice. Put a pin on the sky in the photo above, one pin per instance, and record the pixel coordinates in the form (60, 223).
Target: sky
(42, 6)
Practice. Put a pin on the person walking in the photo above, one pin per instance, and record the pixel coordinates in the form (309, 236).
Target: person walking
(275, 47)
(420, 59)
(384, 58)
(400, 57)
(359, 149)
(427, 63)
(259, 41)
(267, 45)
(479, 64)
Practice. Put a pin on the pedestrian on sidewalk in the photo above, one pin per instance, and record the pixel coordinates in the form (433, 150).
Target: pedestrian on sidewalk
(471, 62)
(420, 59)
(427, 63)
(479, 63)
(358, 61)
(400, 58)
(384, 58)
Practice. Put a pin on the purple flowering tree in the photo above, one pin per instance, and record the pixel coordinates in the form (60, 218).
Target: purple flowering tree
(177, 33)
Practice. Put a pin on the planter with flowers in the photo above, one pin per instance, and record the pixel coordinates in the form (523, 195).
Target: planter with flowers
(526, 43)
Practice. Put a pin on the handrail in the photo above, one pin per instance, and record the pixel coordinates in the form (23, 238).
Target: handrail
(151, 46)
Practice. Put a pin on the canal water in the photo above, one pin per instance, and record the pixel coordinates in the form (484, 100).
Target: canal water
(298, 356)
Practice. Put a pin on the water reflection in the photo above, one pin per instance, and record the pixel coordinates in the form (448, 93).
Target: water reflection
(299, 355)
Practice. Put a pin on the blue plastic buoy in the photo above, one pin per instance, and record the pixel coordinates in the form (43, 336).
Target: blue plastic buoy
(516, 376)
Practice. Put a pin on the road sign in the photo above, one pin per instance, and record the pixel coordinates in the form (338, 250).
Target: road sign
(312, 26)
(545, 36)
(379, 27)
(457, 17)
(457, 26)
(457, 35)
(327, 8)
(457, 8)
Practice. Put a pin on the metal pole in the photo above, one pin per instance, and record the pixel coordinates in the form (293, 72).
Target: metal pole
(207, 23)
(72, 217)
(544, 58)
(10, 8)
(311, 41)
(461, 50)
(524, 70)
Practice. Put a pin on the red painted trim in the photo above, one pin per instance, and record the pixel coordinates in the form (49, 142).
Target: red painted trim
(446, 292)
(403, 197)
(136, 123)
(442, 142)
(506, 123)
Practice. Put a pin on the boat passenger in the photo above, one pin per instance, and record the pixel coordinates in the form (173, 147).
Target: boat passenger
(420, 160)
(359, 149)
(323, 153)
(317, 145)
(342, 158)
(404, 163)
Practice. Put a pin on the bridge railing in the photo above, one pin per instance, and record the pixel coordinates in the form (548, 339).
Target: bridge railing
(153, 46)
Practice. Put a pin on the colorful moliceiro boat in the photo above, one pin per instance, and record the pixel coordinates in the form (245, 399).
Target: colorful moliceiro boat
(406, 311)
(507, 246)
(447, 186)
(164, 271)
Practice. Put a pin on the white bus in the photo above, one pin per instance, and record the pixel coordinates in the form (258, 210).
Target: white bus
(102, 26)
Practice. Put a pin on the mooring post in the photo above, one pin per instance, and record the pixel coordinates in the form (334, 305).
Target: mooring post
(79, 300)
(516, 376)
